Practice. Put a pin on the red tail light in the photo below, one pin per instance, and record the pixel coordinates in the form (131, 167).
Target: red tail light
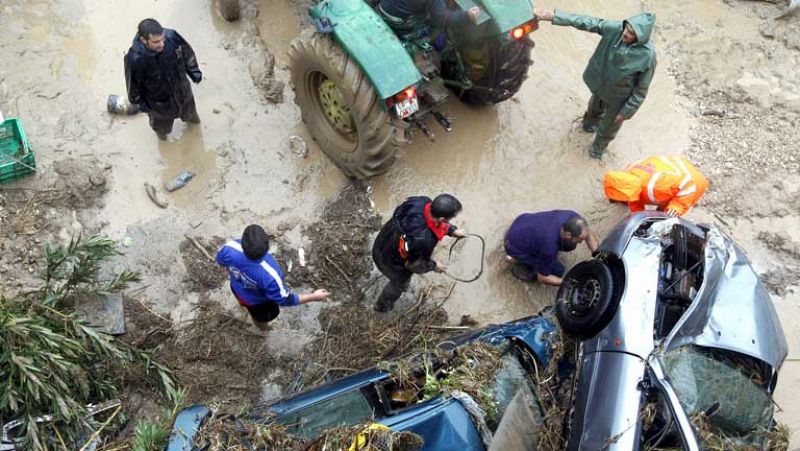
(517, 33)
(407, 93)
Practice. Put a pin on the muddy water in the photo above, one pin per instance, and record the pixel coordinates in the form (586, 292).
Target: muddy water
(82, 45)
(529, 154)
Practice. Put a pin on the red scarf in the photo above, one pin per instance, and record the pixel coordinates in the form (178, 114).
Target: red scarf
(441, 229)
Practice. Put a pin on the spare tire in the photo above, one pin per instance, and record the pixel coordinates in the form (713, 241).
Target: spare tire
(585, 302)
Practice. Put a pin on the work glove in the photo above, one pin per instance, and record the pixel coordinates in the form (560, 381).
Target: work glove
(196, 76)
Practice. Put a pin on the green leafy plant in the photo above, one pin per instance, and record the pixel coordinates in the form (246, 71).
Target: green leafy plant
(54, 364)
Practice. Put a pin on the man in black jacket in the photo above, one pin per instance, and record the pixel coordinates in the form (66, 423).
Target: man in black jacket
(405, 243)
(156, 69)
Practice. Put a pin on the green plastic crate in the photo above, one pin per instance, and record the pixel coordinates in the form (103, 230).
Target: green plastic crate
(16, 156)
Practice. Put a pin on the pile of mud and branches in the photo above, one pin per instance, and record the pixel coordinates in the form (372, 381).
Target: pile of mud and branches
(202, 271)
(554, 390)
(355, 337)
(45, 208)
(216, 358)
(340, 257)
(229, 433)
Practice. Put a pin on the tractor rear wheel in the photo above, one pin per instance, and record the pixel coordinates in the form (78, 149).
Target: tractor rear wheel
(507, 68)
(340, 107)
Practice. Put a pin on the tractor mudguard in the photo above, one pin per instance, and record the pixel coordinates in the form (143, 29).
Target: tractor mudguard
(506, 14)
(363, 34)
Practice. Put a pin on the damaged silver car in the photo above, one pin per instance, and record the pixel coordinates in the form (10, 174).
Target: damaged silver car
(677, 331)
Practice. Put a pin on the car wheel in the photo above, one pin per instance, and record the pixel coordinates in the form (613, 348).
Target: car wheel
(585, 301)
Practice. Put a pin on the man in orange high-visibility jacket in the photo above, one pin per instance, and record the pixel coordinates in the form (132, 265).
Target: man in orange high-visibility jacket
(671, 183)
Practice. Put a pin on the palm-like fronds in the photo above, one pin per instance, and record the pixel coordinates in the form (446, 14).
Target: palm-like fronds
(52, 363)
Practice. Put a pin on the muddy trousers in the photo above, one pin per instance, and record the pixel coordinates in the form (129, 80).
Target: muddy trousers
(399, 279)
(162, 124)
(600, 115)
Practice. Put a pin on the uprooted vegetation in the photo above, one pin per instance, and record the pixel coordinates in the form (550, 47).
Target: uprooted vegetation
(228, 433)
(54, 364)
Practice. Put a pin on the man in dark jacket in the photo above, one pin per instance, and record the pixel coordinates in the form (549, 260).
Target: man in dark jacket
(618, 74)
(405, 243)
(156, 69)
(443, 12)
(534, 240)
(257, 280)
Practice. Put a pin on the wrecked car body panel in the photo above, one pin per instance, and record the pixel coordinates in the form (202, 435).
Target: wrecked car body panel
(603, 415)
(718, 306)
(733, 310)
(444, 423)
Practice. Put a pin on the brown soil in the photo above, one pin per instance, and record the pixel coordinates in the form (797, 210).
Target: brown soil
(217, 358)
(202, 273)
(341, 254)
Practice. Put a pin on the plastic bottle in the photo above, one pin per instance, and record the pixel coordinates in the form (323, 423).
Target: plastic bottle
(179, 182)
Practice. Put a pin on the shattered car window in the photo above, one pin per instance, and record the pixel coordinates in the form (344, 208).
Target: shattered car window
(344, 410)
(512, 378)
(717, 385)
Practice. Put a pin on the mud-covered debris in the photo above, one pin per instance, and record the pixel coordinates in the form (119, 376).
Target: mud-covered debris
(262, 71)
(202, 272)
(229, 433)
(340, 254)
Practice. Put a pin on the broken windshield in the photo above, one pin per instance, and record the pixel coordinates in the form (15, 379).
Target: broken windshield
(722, 386)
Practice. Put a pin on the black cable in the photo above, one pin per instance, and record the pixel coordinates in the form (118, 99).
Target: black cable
(450, 254)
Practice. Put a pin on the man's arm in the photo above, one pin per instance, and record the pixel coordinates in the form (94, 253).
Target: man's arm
(133, 80)
(189, 60)
(581, 22)
(548, 280)
(592, 242)
(316, 295)
(444, 15)
(639, 92)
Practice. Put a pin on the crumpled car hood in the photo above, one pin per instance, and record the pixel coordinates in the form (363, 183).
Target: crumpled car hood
(732, 310)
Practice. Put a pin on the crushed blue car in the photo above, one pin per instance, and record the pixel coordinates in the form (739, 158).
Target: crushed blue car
(445, 422)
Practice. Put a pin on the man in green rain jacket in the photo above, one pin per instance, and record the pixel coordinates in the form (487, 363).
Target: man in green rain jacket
(619, 73)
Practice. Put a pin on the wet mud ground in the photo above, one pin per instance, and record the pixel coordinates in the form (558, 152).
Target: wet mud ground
(725, 93)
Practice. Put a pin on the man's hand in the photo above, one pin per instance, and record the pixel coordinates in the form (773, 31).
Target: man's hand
(543, 14)
(196, 76)
(321, 294)
(460, 233)
(473, 13)
(619, 119)
(440, 268)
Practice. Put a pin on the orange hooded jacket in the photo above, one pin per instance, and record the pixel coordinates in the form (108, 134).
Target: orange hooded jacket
(669, 182)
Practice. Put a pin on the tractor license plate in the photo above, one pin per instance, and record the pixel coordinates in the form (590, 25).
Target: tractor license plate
(406, 107)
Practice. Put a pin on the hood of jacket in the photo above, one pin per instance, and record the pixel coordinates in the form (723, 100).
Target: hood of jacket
(643, 27)
(410, 215)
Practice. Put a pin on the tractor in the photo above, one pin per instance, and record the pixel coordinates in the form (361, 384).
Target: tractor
(364, 81)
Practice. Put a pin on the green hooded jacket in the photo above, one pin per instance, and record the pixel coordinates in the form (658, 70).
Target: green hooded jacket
(620, 74)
